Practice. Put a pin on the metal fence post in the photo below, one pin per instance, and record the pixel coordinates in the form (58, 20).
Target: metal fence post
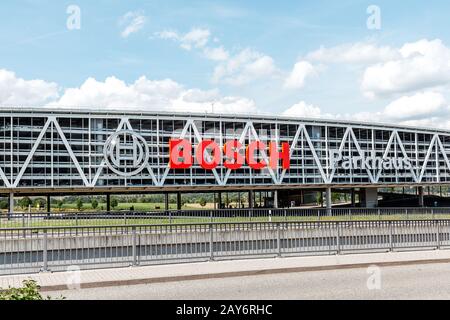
(170, 217)
(45, 252)
(211, 242)
(338, 238)
(211, 216)
(134, 246)
(391, 243)
(278, 240)
(438, 234)
(285, 215)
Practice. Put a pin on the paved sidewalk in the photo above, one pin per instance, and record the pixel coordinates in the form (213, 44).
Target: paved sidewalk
(222, 269)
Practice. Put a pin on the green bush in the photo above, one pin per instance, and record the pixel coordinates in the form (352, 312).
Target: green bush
(94, 204)
(114, 203)
(3, 205)
(25, 202)
(79, 204)
(29, 291)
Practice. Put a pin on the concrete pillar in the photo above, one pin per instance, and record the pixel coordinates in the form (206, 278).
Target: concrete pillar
(219, 197)
(240, 199)
(353, 197)
(108, 202)
(275, 199)
(369, 197)
(250, 199)
(328, 203)
(49, 205)
(178, 200)
(420, 191)
(179, 204)
(166, 201)
(11, 204)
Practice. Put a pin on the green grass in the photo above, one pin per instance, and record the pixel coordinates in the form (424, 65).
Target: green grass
(154, 221)
(138, 206)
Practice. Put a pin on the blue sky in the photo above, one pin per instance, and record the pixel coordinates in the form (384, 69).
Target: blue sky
(358, 74)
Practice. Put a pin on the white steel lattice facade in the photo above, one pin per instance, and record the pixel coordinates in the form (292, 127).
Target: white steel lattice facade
(50, 151)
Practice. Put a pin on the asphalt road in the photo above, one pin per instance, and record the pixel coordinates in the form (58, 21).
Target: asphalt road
(426, 281)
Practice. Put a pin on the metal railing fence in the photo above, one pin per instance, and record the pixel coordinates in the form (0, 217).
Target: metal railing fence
(24, 250)
(23, 220)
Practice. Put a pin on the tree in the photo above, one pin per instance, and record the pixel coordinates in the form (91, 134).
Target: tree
(94, 204)
(79, 204)
(60, 204)
(114, 203)
(202, 202)
(39, 203)
(3, 205)
(335, 197)
(319, 198)
(25, 202)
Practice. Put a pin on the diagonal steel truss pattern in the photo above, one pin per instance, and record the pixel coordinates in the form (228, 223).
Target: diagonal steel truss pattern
(433, 149)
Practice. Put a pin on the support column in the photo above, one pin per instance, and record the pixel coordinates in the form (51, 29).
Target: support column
(369, 197)
(219, 195)
(275, 199)
(353, 197)
(250, 199)
(49, 205)
(108, 202)
(239, 200)
(420, 191)
(328, 200)
(11, 204)
(166, 201)
(178, 200)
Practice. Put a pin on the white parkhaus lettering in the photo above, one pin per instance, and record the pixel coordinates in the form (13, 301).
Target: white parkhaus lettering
(368, 160)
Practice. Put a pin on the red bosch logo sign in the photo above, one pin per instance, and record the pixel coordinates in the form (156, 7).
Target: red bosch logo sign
(209, 155)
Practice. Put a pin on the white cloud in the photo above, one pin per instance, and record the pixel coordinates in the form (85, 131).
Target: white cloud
(196, 38)
(17, 91)
(216, 54)
(419, 105)
(132, 22)
(241, 68)
(298, 75)
(244, 67)
(150, 95)
(167, 35)
(424, 109)
(303, 110)
(423, 64)
(359, 52)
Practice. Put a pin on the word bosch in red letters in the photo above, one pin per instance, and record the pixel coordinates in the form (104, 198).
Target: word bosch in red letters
(209, 155)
